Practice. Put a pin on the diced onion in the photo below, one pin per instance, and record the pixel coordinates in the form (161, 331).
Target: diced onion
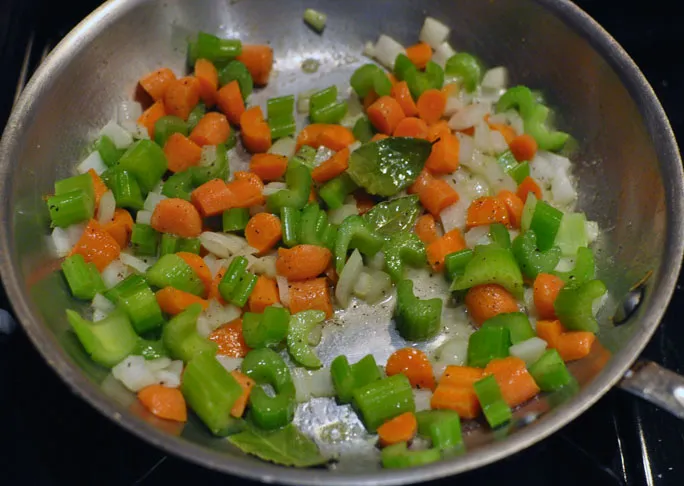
(284, 146)
(134, 262)
(454, 216)
(225, 245)
(114, 273)
(529, 350)
(454, 351)
(442, 54)
(99, 315)
(158, 363)
(215, 315)
(228, 362)
(208, 156)
(143, 217)
(466, 147)
(152, 200)
(495, 79)
(434, 32)
(422, 399)
(122, 138)
(105, 211)
(312, 384)
(127, 114)
(372, 285)
(592, 231)
(64, 239)
(348, 277)
(265, 265)
(212, 264)
(478, 235)
(283, 290)
(322, 154)
(453, 105)
(469, 116)
(489, 168)
(368, 50)
(336, 216)
(141, 133)
(102, 303)
(273, 187)
(170, 378)
(565, 264)
(377, 261)
(528, 298)
(93, 161)
(133, 373)
(386, 51)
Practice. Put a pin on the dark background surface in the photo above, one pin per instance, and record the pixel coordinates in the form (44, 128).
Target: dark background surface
(50, 437)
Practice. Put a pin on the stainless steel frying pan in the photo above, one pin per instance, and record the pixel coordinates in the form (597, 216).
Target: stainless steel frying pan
(630, 182)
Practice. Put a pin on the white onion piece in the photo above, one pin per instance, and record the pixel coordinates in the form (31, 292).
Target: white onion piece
(143, 217)
(102, 303)
(127, 114)
(368, 50)
(284, 146)
(152, 200)
(336, 216)
(453, 105)
(225, 245)
(93, 161)
(122, 138)
(114, 273)
(348, 277)
(265, 265)
(106, 208)
(489, 168)
(469, 116)
(565, 264)
(478, 235)
(215, 315)
(377, 261)
(454, 351)
(529, 350)
(466, 147)
(312, 384)
(322, 154)
(64, 239)
(157, 364)
(386, 51)
(283, 290)
(592, 231)
(495, 79)
(422, 399)
(454, 216)
(140, 133)
(212, 263)
(489, 141)
(208, 156)
(372, 285)
(133, 373)
(516, 122)
(434, 32)
(442, 54)
(563, 191)
(134, 262)
(304, 99)
(273, 187)
(363, 285)
(168, 378)
(99, 315)
(228, 362)
(528, 299)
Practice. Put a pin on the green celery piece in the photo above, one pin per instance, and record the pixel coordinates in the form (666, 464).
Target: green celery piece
(466, 68)
(196, 115)
(488, 343)
(237, 71)
(211, 391)
(330, 114)
(144, 239)
(108, 151)
(305, 155)
(142, 308)
(180, 335)
(125, 188)
(298, 180)
(179, 185)
(443, 427)
(301, 325)
(535, 125)
(216, 170)
(403, 247)
(167, 126)
(455, 263)
(286, 446)
(70, 208)
(172, 271)
(520, 172)
(531, 259)
(495, 409)
(574, 306)
(417, 319)
(519, 98)
(363, 130)
(390, 165)
(572, 233)
(267, 329)
(315, 19)
(355, 233)
(146, 161)
(346, 378)
(363, 79)
(583, 271)
(550, 372)
(107, 341)
(291, 220)
(235, 219)
(528, 212)
(335, 191)
(517, 323)
(403, 67)
(499, 235)
(384, 399)
(390, 217)
(83, 182)
(491, 265)
(398, 456)
(151, 349)
(168, 244)
(545, 223)
(213, 48)
(83, 278)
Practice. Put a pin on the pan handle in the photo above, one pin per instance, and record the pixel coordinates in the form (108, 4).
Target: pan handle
(657, 385)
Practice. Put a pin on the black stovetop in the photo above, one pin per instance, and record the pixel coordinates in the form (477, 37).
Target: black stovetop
(50, 437)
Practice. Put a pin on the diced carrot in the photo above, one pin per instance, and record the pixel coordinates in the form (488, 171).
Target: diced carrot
(263, 231)
(450, 89)
(181, 96)
(431, 105)
(247, 190)
(514, 206)
(178, 217)
(413, 363)
(444, 155)
(527, 186)
(545, 291)
(259, 61)
(402, 94)
(461, 376)
(96, 246)
(207, 75)
(156, 82)
(230, 102)
(151, 115)
(574, 344)
(438, 250)
(411, 127)
(335, 137)
(505, 130)
(270, 167)
(200, 268)
(393, 79)
(460, 399)
(265, 294)
(486, 301)
(173, 301)
(437, 196)
(121, 227)
(212, 129)
(309, 135)
(164, 402)
(486, 210)
(213, 290)
(311, 294)
(99, 186)
(302, 262)
(385, 114)
(364, 201)
(256, 134)
(369, 99)
(229, 339)
(524, 147)
(421, 183)
(313, 197)
(426, 229)
(246, 383)
(419, 54)
(549, 331)
(332, 167)
(378, 136)
(181, 153)
(401, 428)
(438, 130)
(515, 382)
(212, 198)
